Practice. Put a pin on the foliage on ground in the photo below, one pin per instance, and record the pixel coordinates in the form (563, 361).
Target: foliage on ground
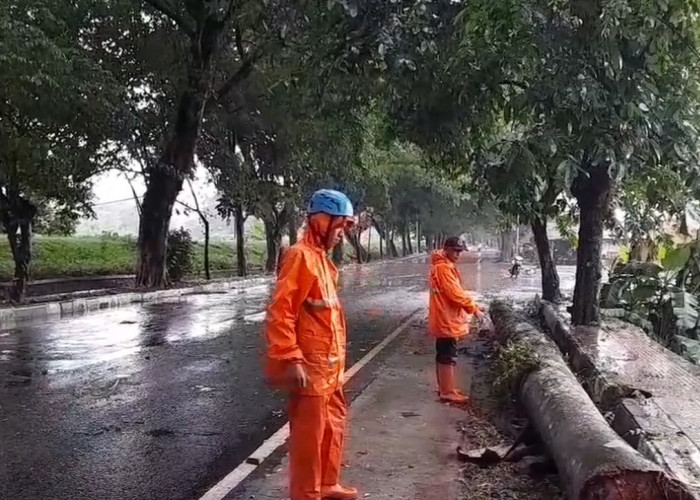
(514, 361)
(490, 422)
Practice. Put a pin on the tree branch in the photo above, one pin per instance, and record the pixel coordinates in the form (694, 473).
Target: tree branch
(240, 75)
(136, 197)
(239, 43)
(164, 7)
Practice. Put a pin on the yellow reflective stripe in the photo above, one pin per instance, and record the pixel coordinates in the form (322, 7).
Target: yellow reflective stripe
(322, 302)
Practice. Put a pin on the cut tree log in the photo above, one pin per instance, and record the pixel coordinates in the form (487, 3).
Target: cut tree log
(594, 463)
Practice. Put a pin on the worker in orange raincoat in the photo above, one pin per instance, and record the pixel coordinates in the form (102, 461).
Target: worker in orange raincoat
(451, 309)
(306, 340)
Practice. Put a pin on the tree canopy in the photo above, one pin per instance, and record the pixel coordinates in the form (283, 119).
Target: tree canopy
(435, 116)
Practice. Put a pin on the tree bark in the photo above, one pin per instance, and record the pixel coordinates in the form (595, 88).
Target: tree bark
(164, 179)
(162, 188)
(239, 221)
(391, 245)
(592, 188)
(17, 215)
(683, 229)
(381, 247)
(273, 242)
(507, 245)
(280, 257)
(593, 461)
(360, 252)
(550, 277)
(21, 245)
(293, 230)
(369, 243)
(408, 239)
(404, 247)
(419, 238)
(207, 270)
(382, 237)
(338, 255)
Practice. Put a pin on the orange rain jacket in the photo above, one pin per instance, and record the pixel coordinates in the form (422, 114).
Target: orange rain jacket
(306, 323)
(450, 305)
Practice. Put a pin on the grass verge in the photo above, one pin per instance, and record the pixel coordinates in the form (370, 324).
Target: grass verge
(77, 256)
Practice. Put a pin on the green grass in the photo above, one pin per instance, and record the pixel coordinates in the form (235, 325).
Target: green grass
(222, 257)
(65, 256)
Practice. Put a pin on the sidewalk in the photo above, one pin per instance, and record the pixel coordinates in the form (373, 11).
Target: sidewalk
(402, 441)
(79, 303)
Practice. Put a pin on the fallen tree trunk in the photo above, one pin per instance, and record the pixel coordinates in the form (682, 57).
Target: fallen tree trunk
(594, 463)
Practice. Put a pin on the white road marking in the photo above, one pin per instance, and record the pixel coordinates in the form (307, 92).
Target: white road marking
(235, 477)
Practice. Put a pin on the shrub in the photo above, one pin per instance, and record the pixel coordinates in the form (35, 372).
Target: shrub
(180, 256)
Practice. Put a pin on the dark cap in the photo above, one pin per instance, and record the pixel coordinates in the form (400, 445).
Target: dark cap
(455, 243)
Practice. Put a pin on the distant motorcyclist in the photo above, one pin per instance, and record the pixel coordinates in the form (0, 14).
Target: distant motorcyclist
(515, 268)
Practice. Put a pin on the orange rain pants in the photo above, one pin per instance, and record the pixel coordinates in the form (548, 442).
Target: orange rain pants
(317, 438)
(306, 324)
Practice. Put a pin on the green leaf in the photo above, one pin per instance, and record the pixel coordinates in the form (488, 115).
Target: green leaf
(676, 258)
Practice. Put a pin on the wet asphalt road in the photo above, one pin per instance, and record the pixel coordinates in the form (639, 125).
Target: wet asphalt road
(160, 401)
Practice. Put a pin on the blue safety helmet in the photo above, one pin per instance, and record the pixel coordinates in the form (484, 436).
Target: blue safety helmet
(330, 202)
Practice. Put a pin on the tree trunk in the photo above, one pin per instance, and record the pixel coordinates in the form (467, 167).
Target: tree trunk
(162, 188)
(507, 245)
(369, 243)
(404, 247)
(20, 240)
(339, 253)
(593, 461)
(550, 277)
(391, 249)
(683, 229)
(17, 215)
(293, 226)
(273, 242)
(642, 250)
(360, 252)
(239, 220)
(419, 238)
(164, 179)
(382, 237)
(280, 257)
(408, 239)
(207, 270)
(592, 188)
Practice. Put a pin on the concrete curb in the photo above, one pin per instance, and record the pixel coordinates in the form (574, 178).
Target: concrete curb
(13, 315)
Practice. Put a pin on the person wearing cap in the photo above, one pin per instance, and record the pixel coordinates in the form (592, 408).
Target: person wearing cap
(306, 342)
(450, 310)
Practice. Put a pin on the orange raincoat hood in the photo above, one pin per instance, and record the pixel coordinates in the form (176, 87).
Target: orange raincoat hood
(439, 257)
(451, 306)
